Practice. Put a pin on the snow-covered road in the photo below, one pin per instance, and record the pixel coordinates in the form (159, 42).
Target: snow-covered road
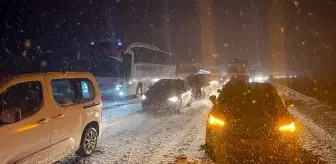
(138, 137)
(131, 136)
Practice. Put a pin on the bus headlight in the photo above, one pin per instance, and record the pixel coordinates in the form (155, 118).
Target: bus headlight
(121, 93)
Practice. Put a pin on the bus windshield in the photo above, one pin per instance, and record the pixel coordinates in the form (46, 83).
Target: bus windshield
(145, 55)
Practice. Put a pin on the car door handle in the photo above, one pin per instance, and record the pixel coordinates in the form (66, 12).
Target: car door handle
(91, 105)
(43, 121)
(59, 116)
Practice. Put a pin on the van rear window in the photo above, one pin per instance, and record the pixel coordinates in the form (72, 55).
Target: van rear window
(72, 91)
(87, 90)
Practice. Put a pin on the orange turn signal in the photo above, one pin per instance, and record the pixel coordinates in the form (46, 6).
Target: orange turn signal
(289, 128)
(215, 121)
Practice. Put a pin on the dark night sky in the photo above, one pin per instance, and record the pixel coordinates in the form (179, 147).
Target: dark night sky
(238, 26)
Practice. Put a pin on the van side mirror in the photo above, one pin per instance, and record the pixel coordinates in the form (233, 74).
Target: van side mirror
(10, 115)
(219, 90)
(212, 98)
(289, 103)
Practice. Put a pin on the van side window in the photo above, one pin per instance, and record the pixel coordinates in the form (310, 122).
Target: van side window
(64, 92)
(87, 90)
(26, 96)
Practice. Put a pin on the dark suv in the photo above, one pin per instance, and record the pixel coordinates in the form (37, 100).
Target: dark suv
(248, 120)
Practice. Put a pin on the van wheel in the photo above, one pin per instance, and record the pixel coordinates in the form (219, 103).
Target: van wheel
(88, 142)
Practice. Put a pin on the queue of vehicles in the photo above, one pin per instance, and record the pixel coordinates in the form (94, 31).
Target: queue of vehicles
(65, 108)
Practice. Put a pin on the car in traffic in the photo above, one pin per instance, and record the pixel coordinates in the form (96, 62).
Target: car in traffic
(47, 116)
(249, 121)
(167, 95)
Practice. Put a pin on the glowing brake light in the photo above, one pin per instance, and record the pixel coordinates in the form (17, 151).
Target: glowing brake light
(215, 121)
(289, 128)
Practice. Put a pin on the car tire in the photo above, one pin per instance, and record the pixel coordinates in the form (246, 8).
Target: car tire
(88, 142)
(179, 107)
(190, 101)
(189, 104)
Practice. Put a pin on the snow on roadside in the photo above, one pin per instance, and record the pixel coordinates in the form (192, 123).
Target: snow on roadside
(319, 124)
(315, 139)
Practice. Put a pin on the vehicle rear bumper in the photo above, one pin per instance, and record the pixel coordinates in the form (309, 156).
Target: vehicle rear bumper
(160, 107)
(232, 147)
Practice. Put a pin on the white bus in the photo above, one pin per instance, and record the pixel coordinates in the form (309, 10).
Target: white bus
(144, 65)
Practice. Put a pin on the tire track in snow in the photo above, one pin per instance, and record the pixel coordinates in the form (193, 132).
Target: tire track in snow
(182, 140)
(178, 123)
(141, 135)
(196, 149)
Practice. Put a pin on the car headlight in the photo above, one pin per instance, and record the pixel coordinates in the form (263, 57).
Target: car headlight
(121, 93)
(213, 82)
(173, 99)
(288, 128)
(143, 97)
(155, 80)
(215, 121)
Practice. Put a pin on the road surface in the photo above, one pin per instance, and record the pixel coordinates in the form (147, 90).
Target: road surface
(131, 136)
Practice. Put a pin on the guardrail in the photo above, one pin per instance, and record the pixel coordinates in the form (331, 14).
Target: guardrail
(292, 93)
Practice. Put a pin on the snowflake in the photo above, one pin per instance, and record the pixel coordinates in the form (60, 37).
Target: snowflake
(296, 3)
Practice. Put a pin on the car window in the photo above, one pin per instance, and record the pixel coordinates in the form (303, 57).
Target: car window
(27, 97)
(64, 92)
(87, 90)
(163, 84)
(254, 98)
